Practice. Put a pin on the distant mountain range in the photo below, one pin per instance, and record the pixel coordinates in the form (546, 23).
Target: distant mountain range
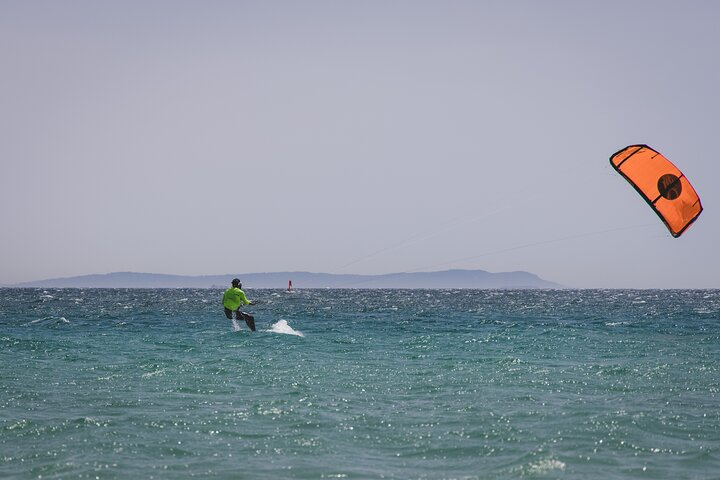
(478, 279)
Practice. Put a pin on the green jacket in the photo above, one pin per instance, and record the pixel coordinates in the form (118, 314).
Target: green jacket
(233, 297)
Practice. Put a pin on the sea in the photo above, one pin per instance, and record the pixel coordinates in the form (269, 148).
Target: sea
(360, 384)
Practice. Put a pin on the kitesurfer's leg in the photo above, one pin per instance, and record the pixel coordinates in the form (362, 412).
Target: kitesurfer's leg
(228, 313)
(249, 320)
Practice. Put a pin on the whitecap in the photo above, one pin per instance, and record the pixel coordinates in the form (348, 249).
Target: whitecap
(283, 327)
(153, 374)
(545, 466)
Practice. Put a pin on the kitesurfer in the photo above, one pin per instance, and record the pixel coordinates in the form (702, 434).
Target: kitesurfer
(233, 299)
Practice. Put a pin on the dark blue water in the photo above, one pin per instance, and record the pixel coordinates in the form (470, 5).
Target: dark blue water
(360, 384)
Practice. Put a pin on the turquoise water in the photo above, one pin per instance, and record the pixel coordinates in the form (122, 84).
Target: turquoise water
(400, 384)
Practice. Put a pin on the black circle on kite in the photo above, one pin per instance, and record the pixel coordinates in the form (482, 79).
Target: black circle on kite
(669, 186)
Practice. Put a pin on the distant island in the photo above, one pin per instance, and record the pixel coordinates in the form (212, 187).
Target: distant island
(466, 279)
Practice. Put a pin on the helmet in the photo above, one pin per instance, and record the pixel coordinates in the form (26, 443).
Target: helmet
(236, 282)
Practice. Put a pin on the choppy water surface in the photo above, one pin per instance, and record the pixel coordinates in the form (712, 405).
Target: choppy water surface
(360, 384)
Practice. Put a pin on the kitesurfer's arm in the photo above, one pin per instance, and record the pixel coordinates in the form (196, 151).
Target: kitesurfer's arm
(244, 298)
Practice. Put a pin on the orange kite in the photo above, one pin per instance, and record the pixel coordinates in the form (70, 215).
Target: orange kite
(661, 184)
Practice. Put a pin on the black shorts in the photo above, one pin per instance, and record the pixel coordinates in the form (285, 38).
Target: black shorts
(249, 319)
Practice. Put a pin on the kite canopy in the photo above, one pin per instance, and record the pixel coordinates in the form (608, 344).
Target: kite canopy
(661, 184)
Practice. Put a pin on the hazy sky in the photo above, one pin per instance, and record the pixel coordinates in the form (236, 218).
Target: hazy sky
(212, 137)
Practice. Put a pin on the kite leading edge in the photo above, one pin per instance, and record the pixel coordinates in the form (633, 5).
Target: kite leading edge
(661, 184)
